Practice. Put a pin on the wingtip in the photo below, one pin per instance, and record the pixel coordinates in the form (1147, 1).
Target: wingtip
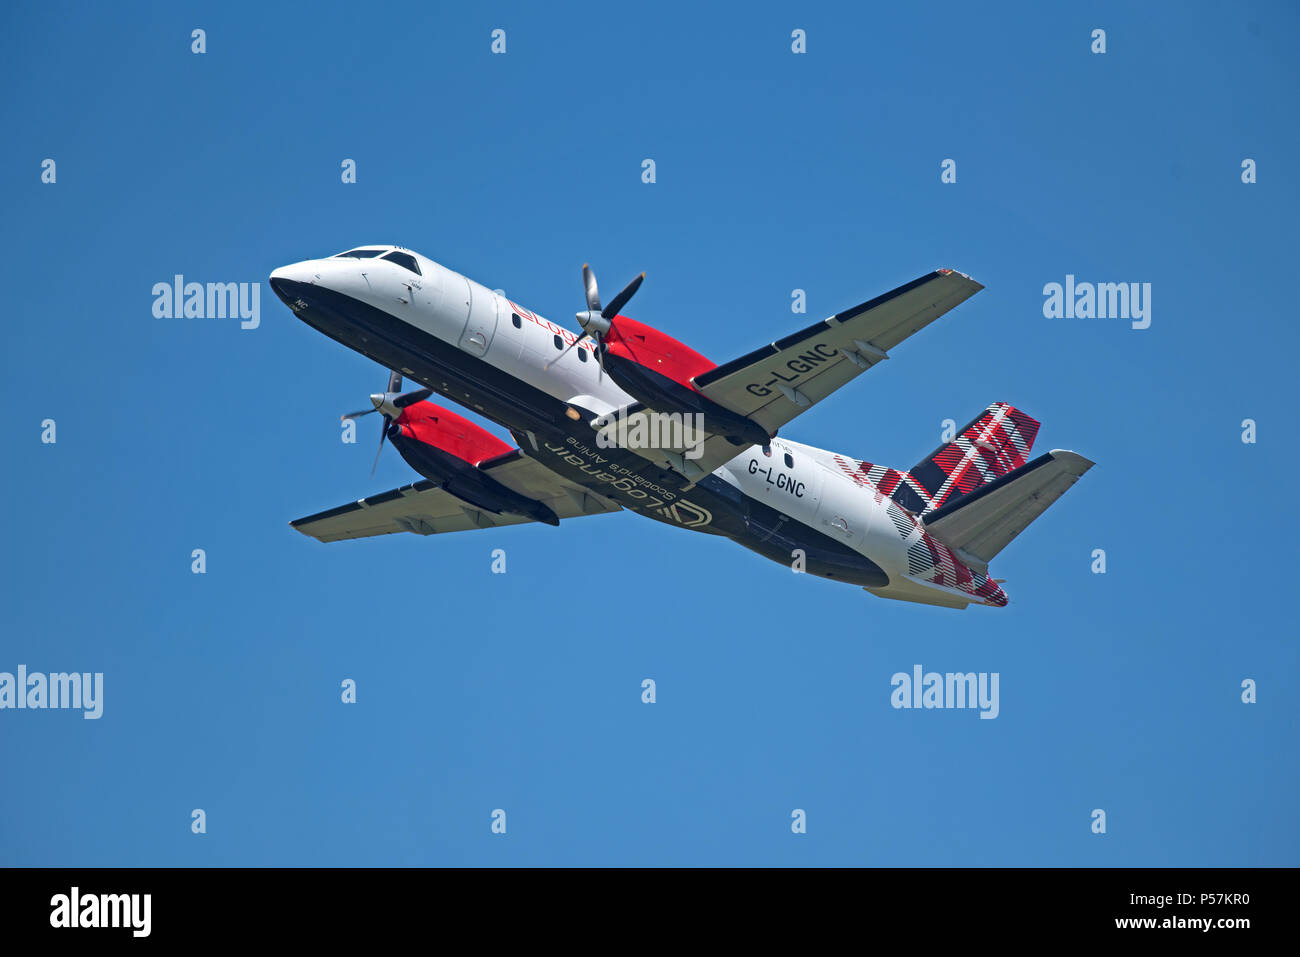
(945, 271)
(1083, 463)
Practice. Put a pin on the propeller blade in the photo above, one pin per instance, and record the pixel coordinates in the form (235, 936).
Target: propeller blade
(357, 415)
(410, 398)
(565, 352)
(382, 435)
(619, 301)
(394, 381)
(589, 284)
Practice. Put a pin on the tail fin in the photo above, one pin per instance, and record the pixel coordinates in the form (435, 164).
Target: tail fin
(979, 525)
(997, 441)
(992, 445)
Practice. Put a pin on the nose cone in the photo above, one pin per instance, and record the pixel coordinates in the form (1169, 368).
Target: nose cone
(288, 280)
(385, 402)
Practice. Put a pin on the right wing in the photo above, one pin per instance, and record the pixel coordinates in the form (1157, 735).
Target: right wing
(774, 384)
(425, 508)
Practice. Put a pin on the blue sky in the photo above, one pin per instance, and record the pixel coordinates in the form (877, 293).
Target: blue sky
(521, 691)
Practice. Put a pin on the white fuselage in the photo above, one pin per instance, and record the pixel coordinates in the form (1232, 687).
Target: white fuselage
(796, 480)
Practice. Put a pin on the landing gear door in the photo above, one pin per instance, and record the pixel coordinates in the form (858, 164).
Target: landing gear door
(482, 324)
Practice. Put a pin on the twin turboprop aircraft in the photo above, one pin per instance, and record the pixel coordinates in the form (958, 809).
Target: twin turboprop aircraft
(624, 416)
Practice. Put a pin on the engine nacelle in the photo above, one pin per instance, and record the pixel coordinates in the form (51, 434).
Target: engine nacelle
(432, 425)
(447, 450)
(656, 370)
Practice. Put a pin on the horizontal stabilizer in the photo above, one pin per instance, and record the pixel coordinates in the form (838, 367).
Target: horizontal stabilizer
(979, 525)
(919, 592)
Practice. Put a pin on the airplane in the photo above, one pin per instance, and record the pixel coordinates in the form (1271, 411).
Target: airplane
(623, 416)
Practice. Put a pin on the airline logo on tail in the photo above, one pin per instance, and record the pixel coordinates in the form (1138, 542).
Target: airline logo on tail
(992, 445)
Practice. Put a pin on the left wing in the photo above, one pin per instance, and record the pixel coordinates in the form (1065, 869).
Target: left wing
(425, 508)
(774, 384)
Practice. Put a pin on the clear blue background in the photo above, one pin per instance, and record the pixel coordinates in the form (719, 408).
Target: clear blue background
(775, 171)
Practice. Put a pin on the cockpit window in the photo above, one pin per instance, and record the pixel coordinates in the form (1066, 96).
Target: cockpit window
(360, 254)
(404, 259)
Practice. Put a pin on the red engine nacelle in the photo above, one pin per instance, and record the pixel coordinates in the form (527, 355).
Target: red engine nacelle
(447, 450)
(655, 350)
(433, 425)
(656, 370)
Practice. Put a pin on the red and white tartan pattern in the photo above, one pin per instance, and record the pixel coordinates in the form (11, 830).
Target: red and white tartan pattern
(932, 561)
(995, 443)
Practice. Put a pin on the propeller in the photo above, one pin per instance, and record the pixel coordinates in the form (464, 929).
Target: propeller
(390, 403)
(595, 321)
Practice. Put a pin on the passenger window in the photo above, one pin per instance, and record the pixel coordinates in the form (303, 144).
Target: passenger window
(582, 355)
(514, 317)
(789, 460)
(559, 343)
(405, 260)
